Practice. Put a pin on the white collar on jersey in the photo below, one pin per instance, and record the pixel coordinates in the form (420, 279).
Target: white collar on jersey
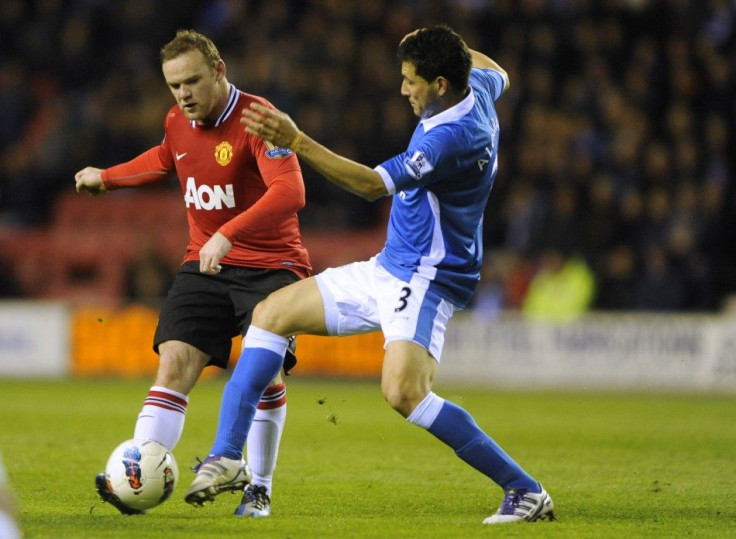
(231, 100)
(450, 115)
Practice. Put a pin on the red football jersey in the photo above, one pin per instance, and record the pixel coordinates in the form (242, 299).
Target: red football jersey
(233, 182)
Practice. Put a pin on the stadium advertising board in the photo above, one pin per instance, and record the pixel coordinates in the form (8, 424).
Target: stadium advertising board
(34, 339)
(604, 351)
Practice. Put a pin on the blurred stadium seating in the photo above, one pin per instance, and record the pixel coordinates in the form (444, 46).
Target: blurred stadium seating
(616, 134)
(82, 255)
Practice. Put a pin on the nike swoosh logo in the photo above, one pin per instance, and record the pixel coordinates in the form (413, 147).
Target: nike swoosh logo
(179, 156)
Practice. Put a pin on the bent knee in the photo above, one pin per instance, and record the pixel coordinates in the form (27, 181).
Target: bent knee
(266, 315)
(402, 399)
(179, 366)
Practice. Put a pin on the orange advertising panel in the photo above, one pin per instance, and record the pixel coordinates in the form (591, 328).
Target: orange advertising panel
(118, 342)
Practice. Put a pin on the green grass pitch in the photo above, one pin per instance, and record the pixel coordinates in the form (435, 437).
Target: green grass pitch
(616, 465)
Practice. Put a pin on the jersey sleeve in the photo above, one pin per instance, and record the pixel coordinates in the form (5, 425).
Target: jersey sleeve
(417, 167)
(148, 167)
(491, 79)
(285, 193)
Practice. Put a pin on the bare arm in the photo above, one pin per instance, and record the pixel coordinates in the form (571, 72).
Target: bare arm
(482, 61)
(279, 129)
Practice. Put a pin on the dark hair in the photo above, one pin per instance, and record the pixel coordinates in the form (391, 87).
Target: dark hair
(438, 51)
(190, 40)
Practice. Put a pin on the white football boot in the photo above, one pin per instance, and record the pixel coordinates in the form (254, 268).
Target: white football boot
(217, 474)
(523, 506)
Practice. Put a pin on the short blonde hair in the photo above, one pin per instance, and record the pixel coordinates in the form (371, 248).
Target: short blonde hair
(190, 40)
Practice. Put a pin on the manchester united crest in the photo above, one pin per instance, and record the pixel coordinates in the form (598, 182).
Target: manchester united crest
(224, 153)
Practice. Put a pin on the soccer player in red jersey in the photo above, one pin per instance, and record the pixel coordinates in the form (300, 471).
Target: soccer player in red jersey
(242, 196)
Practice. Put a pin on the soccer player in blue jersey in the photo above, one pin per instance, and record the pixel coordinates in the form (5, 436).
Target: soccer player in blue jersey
(428, 268)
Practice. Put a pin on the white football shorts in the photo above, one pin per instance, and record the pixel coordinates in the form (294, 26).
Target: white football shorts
(363, 297)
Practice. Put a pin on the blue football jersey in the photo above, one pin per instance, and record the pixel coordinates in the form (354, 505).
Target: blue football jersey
(440, 188)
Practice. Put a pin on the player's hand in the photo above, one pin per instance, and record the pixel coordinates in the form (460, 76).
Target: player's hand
(89, 180)
(270, 124)
(212, 252)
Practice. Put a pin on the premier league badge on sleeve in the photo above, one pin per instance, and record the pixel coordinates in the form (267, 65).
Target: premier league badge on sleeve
(418, 165)
(274, 152)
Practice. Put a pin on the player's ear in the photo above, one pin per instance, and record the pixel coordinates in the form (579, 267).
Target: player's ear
(442, 86)
(220, 70)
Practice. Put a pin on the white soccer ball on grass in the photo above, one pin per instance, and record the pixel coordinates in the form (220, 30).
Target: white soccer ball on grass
(142, 473)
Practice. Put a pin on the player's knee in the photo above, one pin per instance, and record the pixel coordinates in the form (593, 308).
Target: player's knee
(266, 316)
(400, 396)
(179, 366)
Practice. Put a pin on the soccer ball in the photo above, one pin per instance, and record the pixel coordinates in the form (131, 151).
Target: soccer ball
(142, 473)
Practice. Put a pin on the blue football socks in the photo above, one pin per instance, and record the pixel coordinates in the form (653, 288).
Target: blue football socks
(455, 427)
(261, 360)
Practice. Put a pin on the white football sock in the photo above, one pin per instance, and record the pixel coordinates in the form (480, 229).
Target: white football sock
(265, 435)
(162, 417)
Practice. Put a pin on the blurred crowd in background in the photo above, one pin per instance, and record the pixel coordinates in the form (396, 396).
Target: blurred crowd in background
(616, 187)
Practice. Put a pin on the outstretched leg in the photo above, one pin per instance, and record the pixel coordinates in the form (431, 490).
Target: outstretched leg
(290, 310)
(260, 361)
(406, 381)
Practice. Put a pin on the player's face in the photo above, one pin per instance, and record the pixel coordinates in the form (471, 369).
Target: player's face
(193, 82)
(422, 94)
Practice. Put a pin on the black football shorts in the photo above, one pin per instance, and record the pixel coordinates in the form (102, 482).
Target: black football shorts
(207, 311)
